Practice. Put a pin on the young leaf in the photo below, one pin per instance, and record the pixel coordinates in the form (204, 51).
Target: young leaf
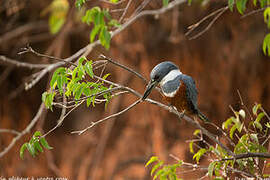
(232, 131)
(191, 147)
(196, 132)
(266, 45)
(94, 32)
(89, 69)
(44, 143)
(31, 149)
(37, 134)
(227, 123)
(255, 108)
(211, 168)
(159, 172)
(230, 4)
(152, 159)
(79, 3)
(158, 165)
(198, 155)
(260, 116)
(22, 149)
(38, 147)
(165, 2)
(241, 6)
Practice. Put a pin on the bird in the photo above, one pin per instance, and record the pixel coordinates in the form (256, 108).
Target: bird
(178, 89)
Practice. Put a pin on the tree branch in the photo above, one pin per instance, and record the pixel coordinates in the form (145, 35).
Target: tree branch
(247, 155)
(25, 131)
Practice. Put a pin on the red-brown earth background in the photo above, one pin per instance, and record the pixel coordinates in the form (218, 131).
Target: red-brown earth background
(227, 58)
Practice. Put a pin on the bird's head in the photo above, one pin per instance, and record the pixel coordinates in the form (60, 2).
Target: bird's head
(160, 73)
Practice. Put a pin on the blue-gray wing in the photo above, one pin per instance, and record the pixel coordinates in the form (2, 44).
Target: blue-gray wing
(192, 92)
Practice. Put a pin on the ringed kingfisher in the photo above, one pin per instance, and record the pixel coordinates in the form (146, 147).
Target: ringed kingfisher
(178, 89)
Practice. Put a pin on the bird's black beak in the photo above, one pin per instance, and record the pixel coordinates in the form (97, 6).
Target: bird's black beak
(149, 88)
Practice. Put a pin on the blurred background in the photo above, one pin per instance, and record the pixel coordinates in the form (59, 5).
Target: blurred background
(227, 58)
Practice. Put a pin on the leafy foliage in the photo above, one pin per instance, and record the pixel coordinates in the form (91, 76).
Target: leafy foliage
(161, 171)
(102, 22)
(248, 141)
(75, 85)
(34, 146)
(58, 11)
(241, 6)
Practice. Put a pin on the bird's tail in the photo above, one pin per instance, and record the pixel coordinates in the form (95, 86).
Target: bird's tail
(202, 117)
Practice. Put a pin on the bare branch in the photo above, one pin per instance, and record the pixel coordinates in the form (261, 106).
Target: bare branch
(123, 66)
(247, 155)
(12, 131)
(8, 61)
(218, 13)
(106, 118)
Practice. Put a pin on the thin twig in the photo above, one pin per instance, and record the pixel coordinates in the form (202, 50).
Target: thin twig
(29, 49)
(125, 11)
(123, 66)
(12, 131)
(247, 155)
(8, 61)
(219, 12)
(254, 12)
(106, 118)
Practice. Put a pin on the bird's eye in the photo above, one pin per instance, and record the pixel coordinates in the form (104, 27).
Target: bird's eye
(155, 78)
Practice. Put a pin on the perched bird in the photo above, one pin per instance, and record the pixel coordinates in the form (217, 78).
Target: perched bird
(178, 89)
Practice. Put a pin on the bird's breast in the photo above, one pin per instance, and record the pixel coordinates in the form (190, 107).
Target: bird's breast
(179, 99)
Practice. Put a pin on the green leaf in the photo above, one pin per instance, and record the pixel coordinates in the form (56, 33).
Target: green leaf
(189, 2)
(255, 2)
(79, 91)
(105, 37)
(267, 125)
(89, 69)
(255, 108)
(55, 23)
(228, 122)
(241, 6)
(44, 143)
(232, 130)
(159, 164)
(165, 2)
(198, 155)
(38, 147)
(191, 147)
(60, 83)
(81, 60)
(107, 14)
(152, 159)
(22, 149)
(114, 23)
(94, 32)
(114, 1)
(79, 3)
(159, 172)
(258, 125)
(211, 168)
(263, 3)
(53, 80)
(37, 134)
(31, 149)
(260, 116)
(266, 45)
(230, 4)
(196, 132)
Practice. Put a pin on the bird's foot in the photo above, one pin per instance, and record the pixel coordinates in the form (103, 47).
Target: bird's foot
(172, 108)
